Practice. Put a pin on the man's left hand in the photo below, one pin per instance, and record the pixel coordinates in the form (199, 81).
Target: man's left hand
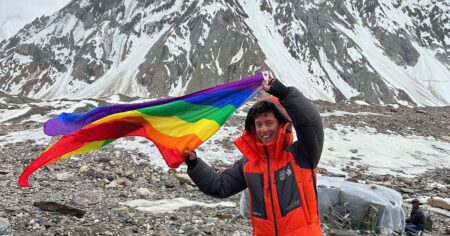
(268, 79)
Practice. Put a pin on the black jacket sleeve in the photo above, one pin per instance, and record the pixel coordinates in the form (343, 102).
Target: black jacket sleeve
(307, 123)
(219, 185)
(417, 218)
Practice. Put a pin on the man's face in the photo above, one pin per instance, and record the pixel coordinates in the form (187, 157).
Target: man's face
(267, 127)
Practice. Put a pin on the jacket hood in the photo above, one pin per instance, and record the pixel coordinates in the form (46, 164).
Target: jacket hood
(279, 112)
(253, 149)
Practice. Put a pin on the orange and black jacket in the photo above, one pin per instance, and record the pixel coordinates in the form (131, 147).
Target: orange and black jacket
(281, 176)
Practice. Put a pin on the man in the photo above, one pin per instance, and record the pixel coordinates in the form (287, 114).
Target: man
(416, 222)
(280, 173)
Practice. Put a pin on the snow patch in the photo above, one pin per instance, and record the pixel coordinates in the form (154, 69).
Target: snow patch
(345, 113)
(382, 153)
(8, 114)
(171, 205)
(22, 59)
(37, 136)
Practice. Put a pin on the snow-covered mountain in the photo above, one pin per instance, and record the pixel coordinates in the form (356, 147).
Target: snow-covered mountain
(375, 50)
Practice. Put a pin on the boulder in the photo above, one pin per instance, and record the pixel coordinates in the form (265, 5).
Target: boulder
(87, 197)
(439, 202)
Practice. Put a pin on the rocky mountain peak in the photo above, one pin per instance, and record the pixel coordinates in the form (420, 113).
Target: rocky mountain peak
(374, 50)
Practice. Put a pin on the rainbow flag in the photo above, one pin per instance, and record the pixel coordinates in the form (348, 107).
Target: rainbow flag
(173, 124)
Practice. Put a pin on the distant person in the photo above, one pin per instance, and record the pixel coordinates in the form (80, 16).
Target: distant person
(416, 222)
(279, 173)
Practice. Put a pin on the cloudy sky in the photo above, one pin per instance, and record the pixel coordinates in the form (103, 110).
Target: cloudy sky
(14, 14)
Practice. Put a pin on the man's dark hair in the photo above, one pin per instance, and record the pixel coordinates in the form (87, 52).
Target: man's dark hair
(263, 107)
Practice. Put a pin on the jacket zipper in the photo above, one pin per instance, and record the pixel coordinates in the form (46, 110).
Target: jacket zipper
(270, 189)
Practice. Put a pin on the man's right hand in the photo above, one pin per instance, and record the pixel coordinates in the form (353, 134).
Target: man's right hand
(190, 154)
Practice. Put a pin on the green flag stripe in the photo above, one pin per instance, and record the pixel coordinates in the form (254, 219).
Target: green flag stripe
(190, 112)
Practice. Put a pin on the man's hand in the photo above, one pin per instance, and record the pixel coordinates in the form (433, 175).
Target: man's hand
(268, 79)
(190, 154)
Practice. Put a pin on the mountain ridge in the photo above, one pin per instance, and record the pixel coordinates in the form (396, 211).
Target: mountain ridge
(376, 51)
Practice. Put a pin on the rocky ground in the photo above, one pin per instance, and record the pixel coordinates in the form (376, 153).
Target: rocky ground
(97, 183)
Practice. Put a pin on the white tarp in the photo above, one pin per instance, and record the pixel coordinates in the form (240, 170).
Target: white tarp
(334, 191)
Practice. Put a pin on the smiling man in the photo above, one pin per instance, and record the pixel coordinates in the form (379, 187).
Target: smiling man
(279, 173)
(267, 118)
(267, 127)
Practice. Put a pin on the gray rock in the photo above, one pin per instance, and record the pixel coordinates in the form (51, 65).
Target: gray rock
(104, 159)
(65, 176)
(170, 180)
(99, 174)
(407, 190)
(446, 138)
(143, 192)
(87, 197)
(184, 179)
(84, 168)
